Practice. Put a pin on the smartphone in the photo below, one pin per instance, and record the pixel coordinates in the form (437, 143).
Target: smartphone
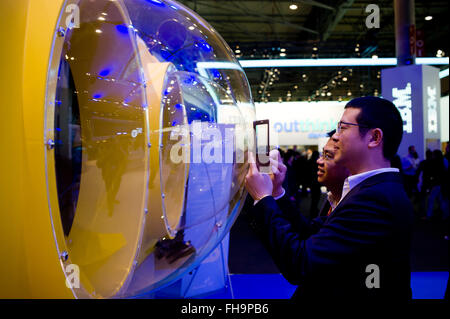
(261, 128)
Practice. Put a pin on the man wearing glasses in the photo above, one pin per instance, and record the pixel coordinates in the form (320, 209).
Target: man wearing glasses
(362, 249)
(330, 175)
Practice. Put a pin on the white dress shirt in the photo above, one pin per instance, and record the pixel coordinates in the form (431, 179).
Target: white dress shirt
(353, 180)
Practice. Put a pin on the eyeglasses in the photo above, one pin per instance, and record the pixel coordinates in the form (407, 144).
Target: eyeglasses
(339, 127)
(326, 157)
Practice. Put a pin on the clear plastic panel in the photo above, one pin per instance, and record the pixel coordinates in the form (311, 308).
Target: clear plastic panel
(155, 117)
(100, 146)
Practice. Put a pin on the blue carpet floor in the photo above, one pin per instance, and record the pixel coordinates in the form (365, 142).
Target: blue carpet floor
(425, 285)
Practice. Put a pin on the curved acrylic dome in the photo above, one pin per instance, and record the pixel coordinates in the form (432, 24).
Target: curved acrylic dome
(151, 121)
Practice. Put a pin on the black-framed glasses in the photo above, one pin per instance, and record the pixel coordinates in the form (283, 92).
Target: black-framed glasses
(325, 156)
(339, 127)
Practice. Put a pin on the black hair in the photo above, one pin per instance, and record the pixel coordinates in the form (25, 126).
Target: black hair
(380, 113)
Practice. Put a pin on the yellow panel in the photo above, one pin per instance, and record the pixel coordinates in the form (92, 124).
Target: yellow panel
(31, 267)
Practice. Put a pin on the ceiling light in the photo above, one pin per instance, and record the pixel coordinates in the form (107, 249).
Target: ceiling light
(283, 54)
(293, 7)
(315, 49)
(374, 56)
(191, 27)
(428, 18)
(238, 51)
(335, 62)
(98, 31)
(443, 73)
(344, 79)
(282, 50)
(349, 93)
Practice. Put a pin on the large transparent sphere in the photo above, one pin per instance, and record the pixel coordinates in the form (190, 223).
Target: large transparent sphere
(152, 120)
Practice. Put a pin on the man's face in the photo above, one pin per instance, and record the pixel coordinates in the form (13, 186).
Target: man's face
(329, 173)
(349, 145)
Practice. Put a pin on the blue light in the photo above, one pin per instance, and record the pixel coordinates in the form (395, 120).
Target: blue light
(122, 29)
(157, 2)
(104, 72)
(97, 96)
(174, 123)
(204, 46)
(166, 55)
(178, 106)
(216, 74)
(190, 79)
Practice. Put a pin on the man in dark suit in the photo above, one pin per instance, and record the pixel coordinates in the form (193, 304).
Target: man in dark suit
(362, 249)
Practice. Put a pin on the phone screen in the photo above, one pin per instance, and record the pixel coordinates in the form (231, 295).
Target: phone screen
(262, 142)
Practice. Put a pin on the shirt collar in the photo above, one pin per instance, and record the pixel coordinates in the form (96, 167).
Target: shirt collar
(353, 180)
(332, 200)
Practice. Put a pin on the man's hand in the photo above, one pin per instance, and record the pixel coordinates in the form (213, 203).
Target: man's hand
(258, 185)
(279, 172)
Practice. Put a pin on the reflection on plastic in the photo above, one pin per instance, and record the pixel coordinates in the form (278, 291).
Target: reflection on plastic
(153, 117)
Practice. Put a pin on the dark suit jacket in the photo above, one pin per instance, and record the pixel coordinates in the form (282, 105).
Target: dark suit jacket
(328, 256)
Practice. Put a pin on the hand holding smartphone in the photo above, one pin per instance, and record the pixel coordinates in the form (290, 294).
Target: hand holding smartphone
(262, 144)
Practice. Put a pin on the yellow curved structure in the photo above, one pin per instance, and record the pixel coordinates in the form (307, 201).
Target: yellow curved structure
(92, 204)
(30, 266)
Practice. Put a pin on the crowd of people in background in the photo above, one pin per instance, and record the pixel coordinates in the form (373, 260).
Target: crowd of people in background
(301, 177)
(426, 180)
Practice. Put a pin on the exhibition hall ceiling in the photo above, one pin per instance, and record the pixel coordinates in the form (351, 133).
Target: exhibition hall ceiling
(317, 29)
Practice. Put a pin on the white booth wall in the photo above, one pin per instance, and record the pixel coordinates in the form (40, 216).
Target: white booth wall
(306, 123)
(300, 123)
(444, 119)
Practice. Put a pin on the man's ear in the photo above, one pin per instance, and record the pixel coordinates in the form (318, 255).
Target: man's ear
(376, 137)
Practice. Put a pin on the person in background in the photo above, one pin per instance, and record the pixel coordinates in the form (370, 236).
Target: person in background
(424, 172)
(315, 185)
(330, 175)
(290, 183)
(439, 187)
(447, 152)
(396, 162)
(410, 164)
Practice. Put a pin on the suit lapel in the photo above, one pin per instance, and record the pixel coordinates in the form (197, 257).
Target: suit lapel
(375, 179)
